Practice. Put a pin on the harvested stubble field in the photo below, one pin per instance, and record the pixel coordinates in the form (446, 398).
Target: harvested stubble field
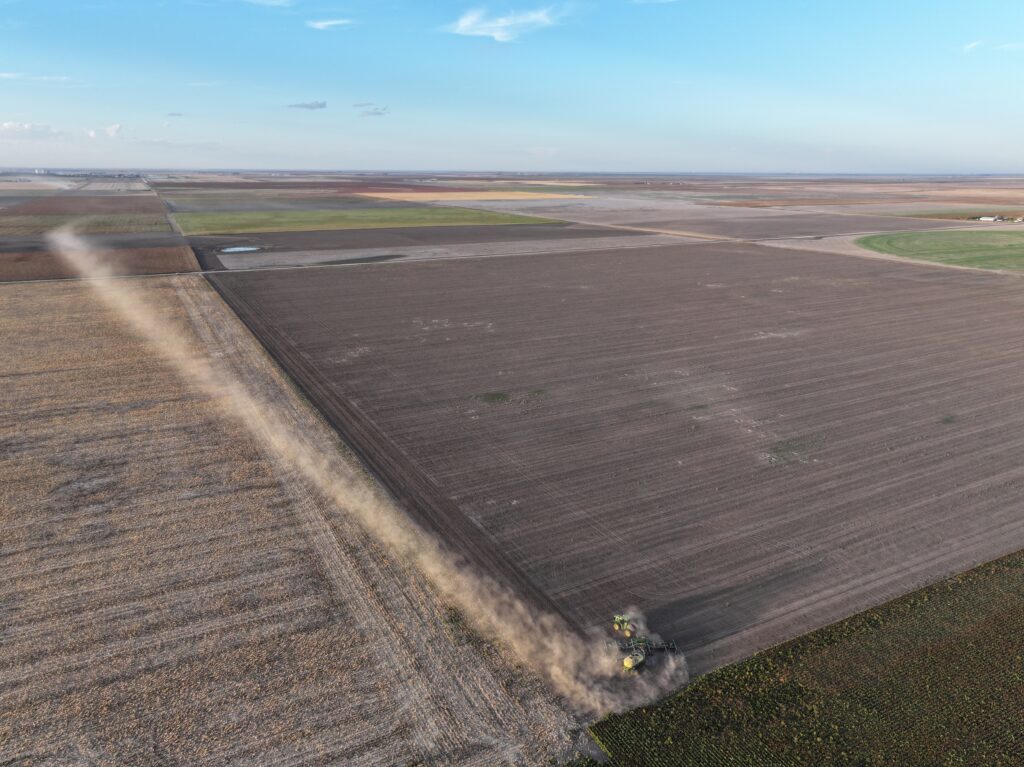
(932, 678)
(669, 213)
(313, 220)
(236, 202)
(173, 596)
(12, 224)
(72, 204)
(746, 443)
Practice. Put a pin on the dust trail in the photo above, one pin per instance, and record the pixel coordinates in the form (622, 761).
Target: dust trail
(587, 672)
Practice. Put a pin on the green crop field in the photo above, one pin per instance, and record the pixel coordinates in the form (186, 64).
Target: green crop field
(13, 225)
(318, 220)
(933, 678)
(981, 249)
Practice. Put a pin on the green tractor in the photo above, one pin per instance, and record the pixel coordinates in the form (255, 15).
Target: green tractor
(622, 624)
(637, 648)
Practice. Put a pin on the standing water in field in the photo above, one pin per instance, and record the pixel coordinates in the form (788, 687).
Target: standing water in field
(587, 672)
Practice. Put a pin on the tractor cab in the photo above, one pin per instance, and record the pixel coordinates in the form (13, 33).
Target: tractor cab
(622, 624)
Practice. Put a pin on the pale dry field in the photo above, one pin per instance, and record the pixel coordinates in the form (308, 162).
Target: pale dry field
(172, 596)
(442, 196)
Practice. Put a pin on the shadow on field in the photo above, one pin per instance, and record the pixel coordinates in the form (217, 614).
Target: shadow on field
(701, 618)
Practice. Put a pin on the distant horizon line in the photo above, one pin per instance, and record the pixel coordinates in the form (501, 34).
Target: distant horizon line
(142, 170)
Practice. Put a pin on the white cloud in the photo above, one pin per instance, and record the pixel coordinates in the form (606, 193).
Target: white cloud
(654, 2)
(11, 75)
(309, 105)
(503, 29)
(971, 46)
(326, 24)
(271, 3)
(91, 133)
(1012, 47)
(26, 130)
(113, 131)
(369, 109)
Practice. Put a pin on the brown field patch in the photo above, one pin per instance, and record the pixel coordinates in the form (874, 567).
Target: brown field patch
(12, 225)
(445, 196)
(89, 205)
(744, 442)
(43, 265)
(173, 596)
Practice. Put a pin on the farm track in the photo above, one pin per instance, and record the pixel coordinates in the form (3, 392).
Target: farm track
(745, 443)
(175, 596)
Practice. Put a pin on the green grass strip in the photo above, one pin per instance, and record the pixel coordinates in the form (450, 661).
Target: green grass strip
(320, 220)
(980, 249)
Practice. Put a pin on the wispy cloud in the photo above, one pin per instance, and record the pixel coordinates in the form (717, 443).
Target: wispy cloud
(271, 3)
(370, 109)
(34, 78)
(309, 105)
(976, 44)
(113, 131)
(175, 114)
(654, 2)
(20, 130)
(503, 29)
(325, 24)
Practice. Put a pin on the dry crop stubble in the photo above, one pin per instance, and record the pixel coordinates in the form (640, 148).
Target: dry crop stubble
(173, 596)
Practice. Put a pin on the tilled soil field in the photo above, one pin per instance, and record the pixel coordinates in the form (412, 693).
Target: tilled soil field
(208, 247)
(744, 442)
(43, 265)
(666, 213)
(230, 203)
(171, 595)
(70, 204)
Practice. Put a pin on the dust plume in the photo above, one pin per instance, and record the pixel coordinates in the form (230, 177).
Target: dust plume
(586, 671)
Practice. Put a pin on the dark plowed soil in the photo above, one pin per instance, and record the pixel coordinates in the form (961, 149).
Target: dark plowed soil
(37, 242)
(356, 239)
(43, 265)
(744, 442)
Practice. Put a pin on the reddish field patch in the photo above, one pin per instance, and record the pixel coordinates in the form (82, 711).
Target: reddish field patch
(43, 265)
(342, 187)
(88, 205)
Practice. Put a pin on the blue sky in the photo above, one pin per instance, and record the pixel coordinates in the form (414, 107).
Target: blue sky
(584, 85)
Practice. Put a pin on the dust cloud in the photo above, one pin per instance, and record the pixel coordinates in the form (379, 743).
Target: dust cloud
(586, 671)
